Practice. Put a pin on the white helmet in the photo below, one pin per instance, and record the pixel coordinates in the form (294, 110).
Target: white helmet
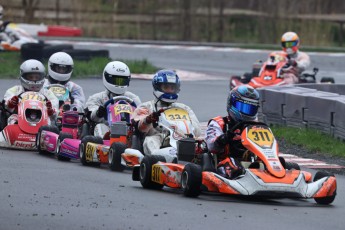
(32, 73)
(60, 68)
(116, 77)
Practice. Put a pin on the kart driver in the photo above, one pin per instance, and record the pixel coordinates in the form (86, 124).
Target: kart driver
(242, 105)
(116, 78)
(3, 35)
(32, 73)
(60, 68)
(297, 61)
(166, 86)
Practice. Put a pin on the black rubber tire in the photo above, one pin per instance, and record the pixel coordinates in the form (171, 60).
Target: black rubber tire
(191, 180)
(246, 78)
(32, 51)
(327, 80)
(85, 130)
(324, 200)
(82, 149)
(62, 136)
(137, 143)
(283, 162)
(292, 165)
(50, 50)
(50, 128)
(146, 171)
(114, 156)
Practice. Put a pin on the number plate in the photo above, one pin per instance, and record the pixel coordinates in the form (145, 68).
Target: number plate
(90, 149)
(32, 96)
(176, 114)
(58, 91)
(122, 108)
(260, 135)
(156, 174)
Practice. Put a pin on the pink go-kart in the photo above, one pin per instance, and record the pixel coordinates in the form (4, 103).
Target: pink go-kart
(73, 126)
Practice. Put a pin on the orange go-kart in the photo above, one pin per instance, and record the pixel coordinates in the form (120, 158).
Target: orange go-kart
(265, 175)
(270, 72)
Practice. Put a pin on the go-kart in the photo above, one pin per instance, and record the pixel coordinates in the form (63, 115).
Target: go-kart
(179, 147)
(32, 114)
(72, 125)
(64, 96)
(269, 73)
(113, 148)
(15, 37)
(265, 175)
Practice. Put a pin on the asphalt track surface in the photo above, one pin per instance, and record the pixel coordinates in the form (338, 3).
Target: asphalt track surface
(39, 192)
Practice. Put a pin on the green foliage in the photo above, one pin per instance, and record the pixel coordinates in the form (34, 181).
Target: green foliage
(311, 139)
(10, 62)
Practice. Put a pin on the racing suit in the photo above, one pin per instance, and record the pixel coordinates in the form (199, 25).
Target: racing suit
(77, 93)
(153, 136)
(18, 89)
(228, 164)
(99, 99)
(292, 73)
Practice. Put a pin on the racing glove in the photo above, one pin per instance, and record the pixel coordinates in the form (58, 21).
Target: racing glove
(225, 138)
(50, 109)
(101, 111)
(152, 118)
(13, 102)
(292, 62)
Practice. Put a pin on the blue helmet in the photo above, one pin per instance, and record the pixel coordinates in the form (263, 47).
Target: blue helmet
(166, 85)
(243, 103)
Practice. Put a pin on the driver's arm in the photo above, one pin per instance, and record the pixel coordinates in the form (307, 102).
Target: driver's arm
(139, 115)
(14, 91)
(303, 62)
(213, 131)
(93, 104)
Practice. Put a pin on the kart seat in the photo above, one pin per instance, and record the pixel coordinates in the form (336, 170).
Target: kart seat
(207, 163)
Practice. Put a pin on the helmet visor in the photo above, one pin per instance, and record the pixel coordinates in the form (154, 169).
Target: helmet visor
(62, 69)
(33, 76)
(289, 44)
(245, 107)
(117, 80)
(171, 88)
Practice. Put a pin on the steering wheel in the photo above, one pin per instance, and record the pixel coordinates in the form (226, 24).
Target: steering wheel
(119, 98)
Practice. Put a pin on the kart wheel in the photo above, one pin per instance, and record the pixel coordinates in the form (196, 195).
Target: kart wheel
(292, 165)
(146, 171)
(82, 149)
(62, 136)
(49, 128)
(191, 180)
(114, 157)
(327, 199)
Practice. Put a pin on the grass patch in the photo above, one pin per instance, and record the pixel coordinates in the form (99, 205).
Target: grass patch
(10, 62)
(310, 139)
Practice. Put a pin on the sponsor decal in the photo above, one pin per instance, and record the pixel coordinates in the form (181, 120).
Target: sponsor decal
(24, 144)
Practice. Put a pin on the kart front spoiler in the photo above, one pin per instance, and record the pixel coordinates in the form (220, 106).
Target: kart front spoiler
(251, 184)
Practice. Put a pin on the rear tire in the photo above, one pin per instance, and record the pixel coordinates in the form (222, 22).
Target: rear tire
(327, 80)
(114, 157)
(62, 136)
(146, 171)
(49, 128)
(328, 199)
(191, 180)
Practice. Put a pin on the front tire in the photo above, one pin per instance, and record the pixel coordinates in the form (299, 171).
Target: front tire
(191, 180)
(62, 136)
(49, 128)
(328, 199)
(146, 171)
(114, 157)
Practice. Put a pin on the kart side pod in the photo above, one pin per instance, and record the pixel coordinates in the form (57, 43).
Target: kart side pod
(186, 149)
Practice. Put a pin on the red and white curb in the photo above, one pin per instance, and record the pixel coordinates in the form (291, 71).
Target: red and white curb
(183, 47)
(303, 162)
